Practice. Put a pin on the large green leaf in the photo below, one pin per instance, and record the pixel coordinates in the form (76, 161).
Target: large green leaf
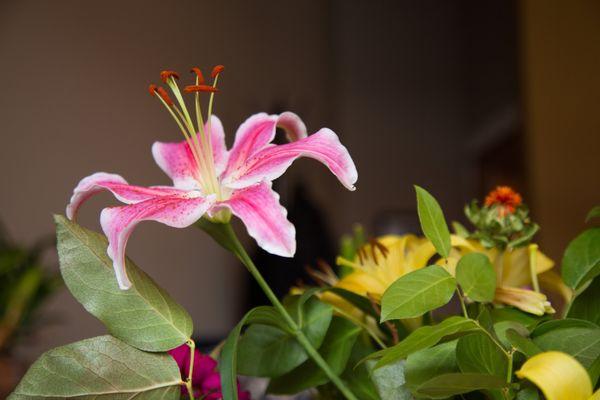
(144, 316)
(228, 357)
(581, 261)
(390, 382)
(446, 385)
(425, 337)
(336, 349)
(579, 338)
(433, 222)
(587, 305)
(529, 321)
(478, 353)
(417, 292)
(428, 363)
(100, 368)
(476, 276)
(268, 351)
(522, 344)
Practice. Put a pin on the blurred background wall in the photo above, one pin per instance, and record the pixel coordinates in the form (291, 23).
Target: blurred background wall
(457, 96)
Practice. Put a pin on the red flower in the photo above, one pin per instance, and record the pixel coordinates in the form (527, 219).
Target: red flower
(505, 198)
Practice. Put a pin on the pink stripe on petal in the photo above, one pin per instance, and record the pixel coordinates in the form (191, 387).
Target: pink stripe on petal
(273, 161)
(265, 219)
(178, 162)
(178, 211)
(126, 193)
(252, 136)
(217, 139)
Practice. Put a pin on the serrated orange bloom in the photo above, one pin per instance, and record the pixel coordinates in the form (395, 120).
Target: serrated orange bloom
(506, 198)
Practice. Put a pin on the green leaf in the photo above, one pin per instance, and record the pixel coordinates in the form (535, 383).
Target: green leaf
(428, 363)
(502, 327)
(358, 375)
(336, 349)
(522, 344)
(478, 353)
(579, 338)
(586, 306)
(390, 382)
(360, 302)
(476, 276)
(417, 292)
(228, 357)
(528, 393)
(268, 351)
(144, 316)
(425, 337)
(594, 213)
(581, 261)
(447, 385)
(460, 230)
(100, 368)
(529, 321)
(433, 222)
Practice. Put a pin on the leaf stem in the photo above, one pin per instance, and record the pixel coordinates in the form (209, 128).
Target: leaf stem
(462, 303)
(238, 249)
(188, 382)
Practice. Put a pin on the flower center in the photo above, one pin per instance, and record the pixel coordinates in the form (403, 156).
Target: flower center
(505, 197)
(197, 137)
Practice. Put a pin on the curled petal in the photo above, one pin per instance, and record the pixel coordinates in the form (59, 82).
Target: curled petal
(178, 211)
(266, 220)
(258, 131)
(524, 299)
(271, 162)
(177, 159)
(558, 375)
(126, 193)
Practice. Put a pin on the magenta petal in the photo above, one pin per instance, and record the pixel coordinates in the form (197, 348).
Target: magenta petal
(265, 219)
(126, 193)
(271, 162)
(257, 132)
(204, 367)
(181, 355)
(178, 162)
(178, 211)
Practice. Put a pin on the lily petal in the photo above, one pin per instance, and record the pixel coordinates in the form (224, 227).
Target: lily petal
(176, 210)
(257, 132)
(126, 193)
(177, 160)
(558, 375)
(271, 162)
(265, 218)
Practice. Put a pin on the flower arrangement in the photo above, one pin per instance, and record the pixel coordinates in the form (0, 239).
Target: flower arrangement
(379, 328)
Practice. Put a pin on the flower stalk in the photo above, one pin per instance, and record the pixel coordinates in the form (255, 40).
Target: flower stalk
(225, 236)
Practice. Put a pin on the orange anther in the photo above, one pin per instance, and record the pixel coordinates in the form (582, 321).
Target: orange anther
(165, 75)
(217, 70)
(200, 88)
(198, 73)
(152, 89)
(164, 95)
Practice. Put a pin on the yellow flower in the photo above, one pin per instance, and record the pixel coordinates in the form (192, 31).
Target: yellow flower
(514, 272)
(381, 262)
(559, 376)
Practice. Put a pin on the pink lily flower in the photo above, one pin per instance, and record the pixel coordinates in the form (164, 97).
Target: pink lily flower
(213, 182)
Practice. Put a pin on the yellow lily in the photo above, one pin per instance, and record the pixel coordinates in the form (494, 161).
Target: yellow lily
(381, 262)
(515, 269)
(559, 376)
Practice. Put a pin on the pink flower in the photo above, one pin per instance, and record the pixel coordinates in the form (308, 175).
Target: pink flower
(206, 381)
(211, 181)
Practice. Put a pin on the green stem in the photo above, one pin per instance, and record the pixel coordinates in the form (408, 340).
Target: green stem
(240, 252)
(188, 382)
(462, 303)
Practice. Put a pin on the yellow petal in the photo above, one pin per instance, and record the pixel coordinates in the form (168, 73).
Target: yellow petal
(558, 375)
(524, 299)
(552, 281)
(516, 267)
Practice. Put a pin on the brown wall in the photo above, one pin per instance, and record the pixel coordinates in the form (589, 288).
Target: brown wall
(561, 91)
